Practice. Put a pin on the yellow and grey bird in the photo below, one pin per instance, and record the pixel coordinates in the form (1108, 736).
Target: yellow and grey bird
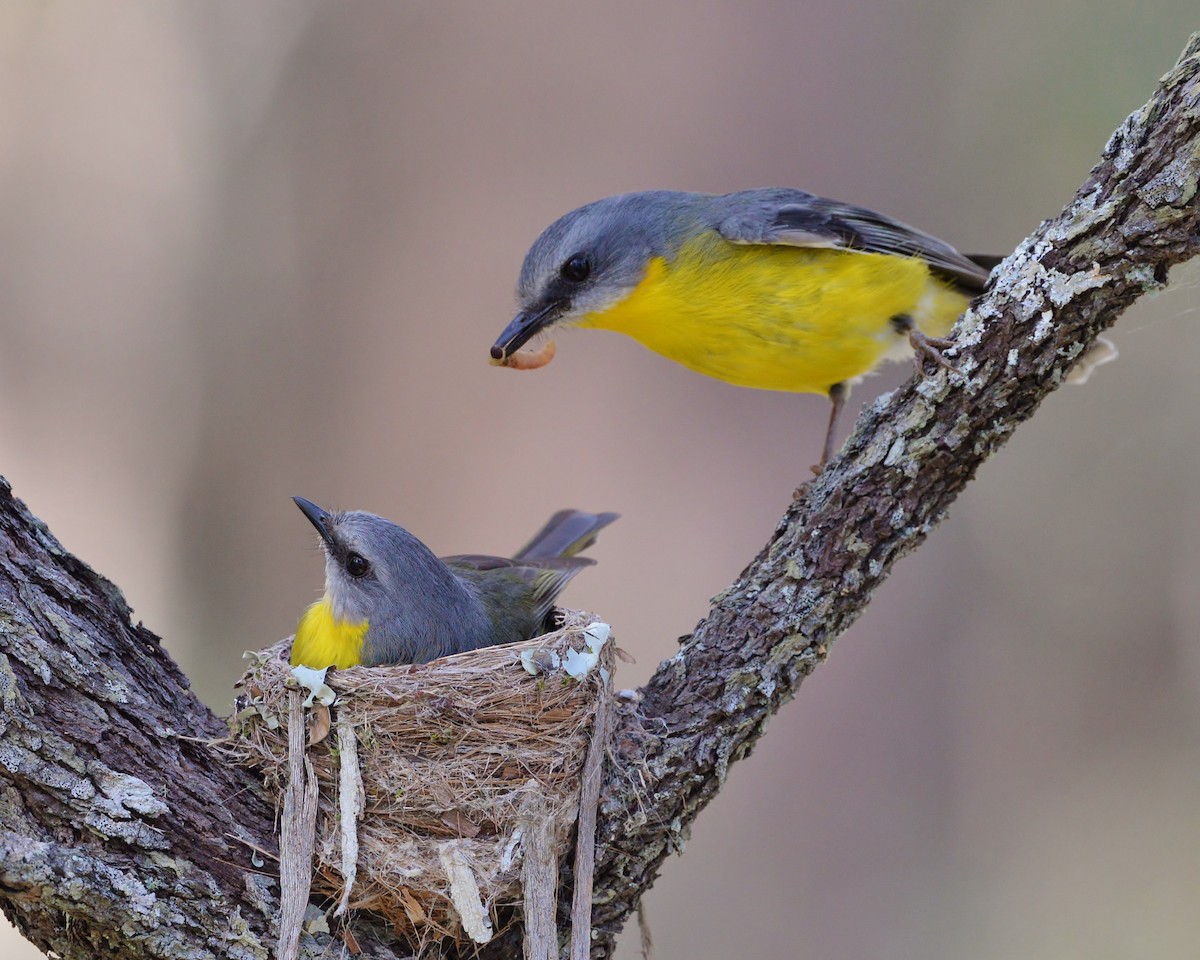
(388, 599)
(770, 288)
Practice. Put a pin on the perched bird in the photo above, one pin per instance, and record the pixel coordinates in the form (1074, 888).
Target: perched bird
(770, 288)
(388, 599)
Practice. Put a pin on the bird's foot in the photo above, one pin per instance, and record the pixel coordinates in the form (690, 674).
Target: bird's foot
(925, 346)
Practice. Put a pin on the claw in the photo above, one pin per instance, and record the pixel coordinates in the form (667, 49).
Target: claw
(926, 346)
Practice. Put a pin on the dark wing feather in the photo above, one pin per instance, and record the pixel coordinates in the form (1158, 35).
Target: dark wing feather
(477, 561)
(810, 221)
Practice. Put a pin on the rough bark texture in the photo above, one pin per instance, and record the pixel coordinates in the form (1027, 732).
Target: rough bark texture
(123, 834)
(912, 453)
(119, 831)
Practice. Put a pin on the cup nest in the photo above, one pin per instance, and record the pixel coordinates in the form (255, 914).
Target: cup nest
(460, 761)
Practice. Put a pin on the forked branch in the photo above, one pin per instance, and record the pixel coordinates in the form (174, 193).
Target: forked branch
(122, 834)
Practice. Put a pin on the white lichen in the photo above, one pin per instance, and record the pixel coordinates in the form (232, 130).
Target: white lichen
(1043, 327)
(314, 682)
(579, 663)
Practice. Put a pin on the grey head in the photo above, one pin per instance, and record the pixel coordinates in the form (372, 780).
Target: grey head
(416, 608)
(592, 257)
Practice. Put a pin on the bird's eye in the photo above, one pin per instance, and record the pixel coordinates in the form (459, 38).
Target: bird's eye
(576, 268)
(357, 565)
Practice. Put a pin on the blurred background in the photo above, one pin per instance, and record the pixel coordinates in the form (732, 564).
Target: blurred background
(259, 250)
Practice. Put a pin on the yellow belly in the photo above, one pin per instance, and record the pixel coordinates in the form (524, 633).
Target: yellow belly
(777, 317)
(322, 640)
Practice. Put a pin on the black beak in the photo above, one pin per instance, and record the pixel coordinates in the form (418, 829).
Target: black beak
(526, 324)
(317, 517)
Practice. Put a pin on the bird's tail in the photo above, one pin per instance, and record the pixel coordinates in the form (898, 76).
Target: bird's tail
(565, 534)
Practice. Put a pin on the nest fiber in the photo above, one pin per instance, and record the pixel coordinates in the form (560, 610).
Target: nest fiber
(459, 758)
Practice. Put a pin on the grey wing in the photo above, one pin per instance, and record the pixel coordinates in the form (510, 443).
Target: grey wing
(547, 576)
(477, 561)
(799, 219)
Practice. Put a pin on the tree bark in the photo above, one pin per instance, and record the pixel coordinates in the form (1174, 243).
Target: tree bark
(124, 833)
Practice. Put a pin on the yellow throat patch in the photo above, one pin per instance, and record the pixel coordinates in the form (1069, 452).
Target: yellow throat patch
(322, 640)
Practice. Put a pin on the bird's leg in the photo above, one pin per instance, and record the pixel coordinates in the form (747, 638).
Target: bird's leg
(924, 345)
(837, 397)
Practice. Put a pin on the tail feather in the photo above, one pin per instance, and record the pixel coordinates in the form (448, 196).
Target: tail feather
(976, 285)
(565, 534)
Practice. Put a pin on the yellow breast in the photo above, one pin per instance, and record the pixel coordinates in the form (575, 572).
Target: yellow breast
(778, 317)
(322, 640)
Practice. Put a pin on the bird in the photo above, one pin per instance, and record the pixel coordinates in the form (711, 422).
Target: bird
(772, 288)
(389, 600)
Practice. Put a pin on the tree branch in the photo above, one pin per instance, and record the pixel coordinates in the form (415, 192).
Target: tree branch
(912, 453)
(123, 834)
